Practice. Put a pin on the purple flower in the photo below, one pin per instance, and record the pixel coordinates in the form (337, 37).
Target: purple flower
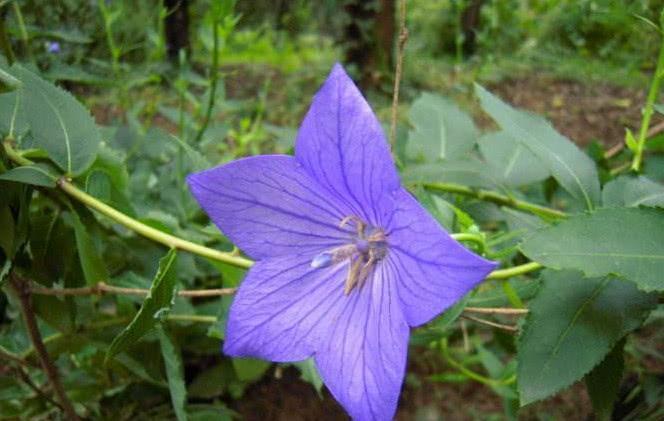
(347, 260)
(53, 47)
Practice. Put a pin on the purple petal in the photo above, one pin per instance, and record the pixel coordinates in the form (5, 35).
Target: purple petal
(433, 271)
(282, 308)
(341, 144)
(269, 206)
(363, 359)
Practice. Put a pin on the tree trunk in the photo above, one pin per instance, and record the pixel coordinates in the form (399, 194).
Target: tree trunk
(176, 27)
(369, 39)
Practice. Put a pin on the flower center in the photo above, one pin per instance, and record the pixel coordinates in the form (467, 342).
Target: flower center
(367, 246)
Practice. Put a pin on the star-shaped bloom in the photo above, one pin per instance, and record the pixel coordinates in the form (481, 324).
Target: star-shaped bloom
(347, 261)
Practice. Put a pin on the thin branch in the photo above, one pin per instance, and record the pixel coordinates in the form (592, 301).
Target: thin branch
(509, 328)
(497, 198)
(28, 382)
(618, 147)
(16, 359)
(496, 310)
(401, 43)
(23, 292)
(103, 288)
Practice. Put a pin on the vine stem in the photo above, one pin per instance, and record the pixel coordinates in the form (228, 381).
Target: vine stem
(149, 232)
(401, 43)
(497, 198)
(22, 290)
(242, 262)
(508, 328)
(214, 75)
(514, 271)
(648, 110)
(103, 288)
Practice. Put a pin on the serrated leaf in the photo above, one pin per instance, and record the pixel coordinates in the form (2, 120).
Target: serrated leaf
(160, 298)
(59, 123)
(630, 192)
(603, 382)
(572, 324)
(174, 372)
(92, 264)
(440, 129)
(37, 175)
(573, 169)
(628, 242)
(514, 164)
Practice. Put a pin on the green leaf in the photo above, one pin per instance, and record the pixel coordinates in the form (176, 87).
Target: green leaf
(469, 172)
(573, 169)
(440, 129)
(92, 264)
(572, 324)
(630, 192)
(514, 164)
(59, 124)
(174, 372)
(160, 298)
(249, 369)
(627, 242)
(8, 82)
(309, 374)
(604, 381)
(13, 121)
(630, 141)
(36, 175)
(7, 231)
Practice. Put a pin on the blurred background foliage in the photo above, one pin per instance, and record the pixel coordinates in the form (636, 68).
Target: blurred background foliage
(177, 86)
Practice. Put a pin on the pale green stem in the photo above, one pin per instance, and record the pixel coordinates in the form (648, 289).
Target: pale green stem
(182, 244)
(469, 373)
(497, 198)
(514, 271)
(648, 110)
(149, 232)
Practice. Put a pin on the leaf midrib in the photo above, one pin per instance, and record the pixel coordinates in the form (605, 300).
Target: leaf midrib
(64, 130)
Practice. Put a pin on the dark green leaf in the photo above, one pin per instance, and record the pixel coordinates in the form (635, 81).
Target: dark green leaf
(573, 169)
(440, 129)
(632, 192)
(309, 374)
(514, 164)
(59, 124)
(7, 231)
(8, 82)
(469, 172)
(13, 122)
(249, 369)
(159, 299)
(603, 382)
(572, 324)
(37, 175)
(94, 268)
(174, 372)
(628, 242)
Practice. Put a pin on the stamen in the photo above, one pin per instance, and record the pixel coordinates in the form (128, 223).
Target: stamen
(366, 248)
